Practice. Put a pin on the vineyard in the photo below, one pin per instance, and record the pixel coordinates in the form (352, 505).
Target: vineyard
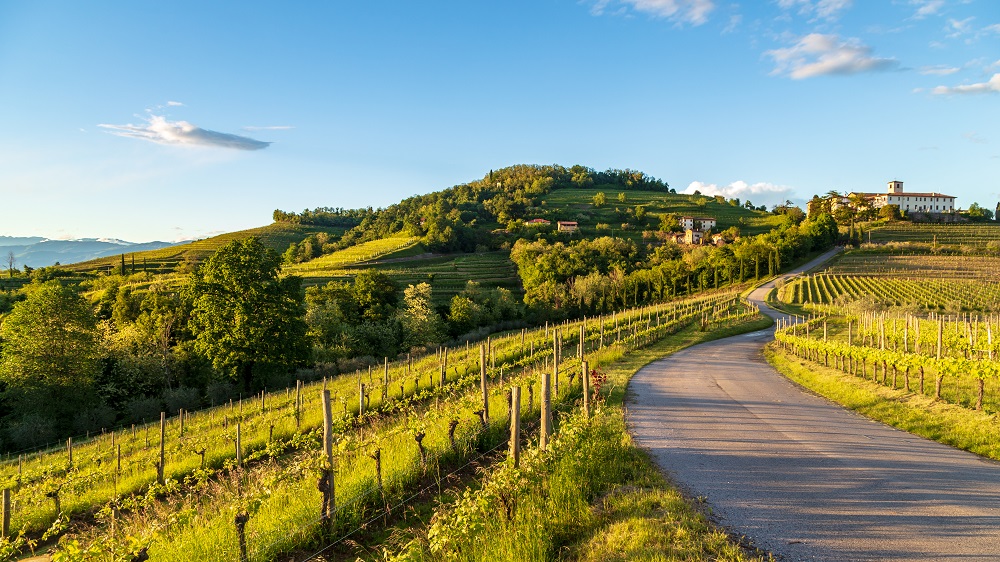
(950, 358)
(288, 470)
(978, 235)
(911, 265)
(376, 249)
(953, 295)
(448, 274)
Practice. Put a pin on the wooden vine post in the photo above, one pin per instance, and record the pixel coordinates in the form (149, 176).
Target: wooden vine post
(515, 425)
(361, 399)
(163, 432)
(556, 345)
(585, 380)
(546, 403)
(69, 451)
(326, 483)
(5, 527)
(298, 404)
(239, 444)
(483, 388)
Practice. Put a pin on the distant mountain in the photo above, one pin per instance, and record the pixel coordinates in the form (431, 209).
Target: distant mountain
(40, 252)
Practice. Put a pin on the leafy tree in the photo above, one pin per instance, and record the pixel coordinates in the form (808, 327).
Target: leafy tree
(622, 198)
(11, 260)
(50, 355)
(376, 295)
(599, 199)
(890, 212)
(247, 320)
(422, 325)
(978, 214)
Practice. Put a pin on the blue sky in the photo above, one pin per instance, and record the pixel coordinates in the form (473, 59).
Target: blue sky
(143, 120)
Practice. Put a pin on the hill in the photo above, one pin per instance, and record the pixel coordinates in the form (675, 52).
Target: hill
(276, 236)
(42, 252)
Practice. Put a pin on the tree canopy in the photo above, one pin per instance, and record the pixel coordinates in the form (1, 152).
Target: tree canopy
(247, 321)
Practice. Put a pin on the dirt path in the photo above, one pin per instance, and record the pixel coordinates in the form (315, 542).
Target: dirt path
(801, 476)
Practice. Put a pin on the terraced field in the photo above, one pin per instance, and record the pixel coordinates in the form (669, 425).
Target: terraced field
(276, 236)
(447, 274)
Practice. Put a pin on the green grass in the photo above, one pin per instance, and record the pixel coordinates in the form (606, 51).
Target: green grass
(950, 424)
(276, 236)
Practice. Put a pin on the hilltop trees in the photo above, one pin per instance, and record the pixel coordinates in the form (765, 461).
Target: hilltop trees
(247, 321)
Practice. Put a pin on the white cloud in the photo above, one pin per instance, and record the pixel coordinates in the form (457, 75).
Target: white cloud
(157, 129)
(823, 9)
(991, 86)
(995, 28)
(926, 7)
(819, 55)
(694, 12)
(938, 70)
(175, 104)
(761, 193)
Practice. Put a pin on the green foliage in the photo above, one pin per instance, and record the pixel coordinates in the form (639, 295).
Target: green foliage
(599, 200)
(246, 319)
(50, 358)
(422, 325)
(977, 213)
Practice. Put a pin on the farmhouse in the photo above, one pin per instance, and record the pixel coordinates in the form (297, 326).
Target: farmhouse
(567, 226)
(692, 236)
(920, 202)
(697, 223)
(537, 222)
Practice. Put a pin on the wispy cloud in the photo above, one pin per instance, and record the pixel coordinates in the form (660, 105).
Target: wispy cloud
(820, 9)
(975, 138)
(938, 70)
(159, 130)
(269, 128)
(760, 193)
(819, 55)
(991, 86)
(694, 12)
(957, 28)
(175, 104)
(926, 8)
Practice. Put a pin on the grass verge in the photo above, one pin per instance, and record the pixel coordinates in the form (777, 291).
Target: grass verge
(593, 496)
(959, 427)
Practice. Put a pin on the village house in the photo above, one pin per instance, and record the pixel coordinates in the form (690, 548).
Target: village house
(567, 226)
(537, 222)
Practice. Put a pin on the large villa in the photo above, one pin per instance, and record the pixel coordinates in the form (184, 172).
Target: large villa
(918, 202)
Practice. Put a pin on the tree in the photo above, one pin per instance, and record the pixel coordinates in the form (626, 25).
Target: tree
(247, 321)
(50, 354)
(978, 213)
(622, 198)
(599, 199)
(421, 324)
(11, 261)
(890, 212)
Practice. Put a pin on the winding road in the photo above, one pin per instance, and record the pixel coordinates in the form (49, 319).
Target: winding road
(800, 476)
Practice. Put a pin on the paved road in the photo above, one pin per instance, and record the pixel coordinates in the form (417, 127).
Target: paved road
(802, 477)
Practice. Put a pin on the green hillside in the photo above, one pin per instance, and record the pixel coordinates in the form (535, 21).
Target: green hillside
(276, 236)
(577, 205)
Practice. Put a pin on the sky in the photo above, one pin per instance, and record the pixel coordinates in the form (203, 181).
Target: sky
(176, 120)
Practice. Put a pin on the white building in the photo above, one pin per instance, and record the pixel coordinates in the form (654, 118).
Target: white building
(697, 223)
(918, 202)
